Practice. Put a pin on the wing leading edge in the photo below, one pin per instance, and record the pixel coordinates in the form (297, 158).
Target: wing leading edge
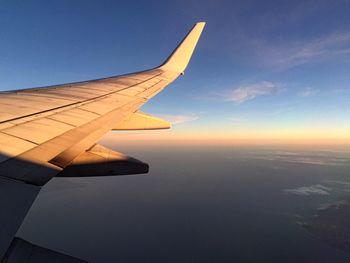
(52, 131)
(46, 140)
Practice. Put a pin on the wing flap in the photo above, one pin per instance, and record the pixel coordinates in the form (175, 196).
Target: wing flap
(100, 161)
(38, 131)
(12, 146)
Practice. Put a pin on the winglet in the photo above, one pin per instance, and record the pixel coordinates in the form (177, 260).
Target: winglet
(178, 60)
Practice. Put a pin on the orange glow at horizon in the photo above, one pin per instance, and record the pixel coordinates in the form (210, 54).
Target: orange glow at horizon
(241, 137)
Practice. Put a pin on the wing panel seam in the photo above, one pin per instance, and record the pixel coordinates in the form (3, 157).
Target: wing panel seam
(76, 103)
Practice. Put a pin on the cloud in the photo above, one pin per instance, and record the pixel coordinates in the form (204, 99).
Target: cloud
(309, 158)
(287, 54)
(249, 92)
(308, 92)
(341, 186)
(316, 189)
(177, 119)
(336, 205)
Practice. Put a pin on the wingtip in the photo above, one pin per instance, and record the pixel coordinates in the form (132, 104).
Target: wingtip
(179, 59)
(200, 24)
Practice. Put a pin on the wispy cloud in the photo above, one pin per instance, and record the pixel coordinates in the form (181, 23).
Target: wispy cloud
(335, 204)
(316, 189)
(308, 92)
(249, 92)
(307, 157)
(177, 119)
(286, 54)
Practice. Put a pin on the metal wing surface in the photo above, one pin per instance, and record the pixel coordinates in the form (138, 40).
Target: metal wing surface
(52, 131)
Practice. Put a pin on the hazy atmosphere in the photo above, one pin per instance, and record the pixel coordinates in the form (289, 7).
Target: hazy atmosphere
(203, 204)
(263, 72)
(256, 165)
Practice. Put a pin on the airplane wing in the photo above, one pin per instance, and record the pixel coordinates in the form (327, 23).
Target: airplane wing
(52, 131)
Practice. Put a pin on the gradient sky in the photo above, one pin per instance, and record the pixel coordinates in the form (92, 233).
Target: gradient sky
(263, 71)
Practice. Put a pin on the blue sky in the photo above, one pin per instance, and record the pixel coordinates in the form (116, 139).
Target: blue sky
(265, 66)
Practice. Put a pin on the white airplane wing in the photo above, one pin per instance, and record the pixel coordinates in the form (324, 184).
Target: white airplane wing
(52, 131)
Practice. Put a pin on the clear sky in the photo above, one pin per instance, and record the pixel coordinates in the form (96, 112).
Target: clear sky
(263, 71)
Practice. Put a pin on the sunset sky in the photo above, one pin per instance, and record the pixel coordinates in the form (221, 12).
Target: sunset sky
(263, 71)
